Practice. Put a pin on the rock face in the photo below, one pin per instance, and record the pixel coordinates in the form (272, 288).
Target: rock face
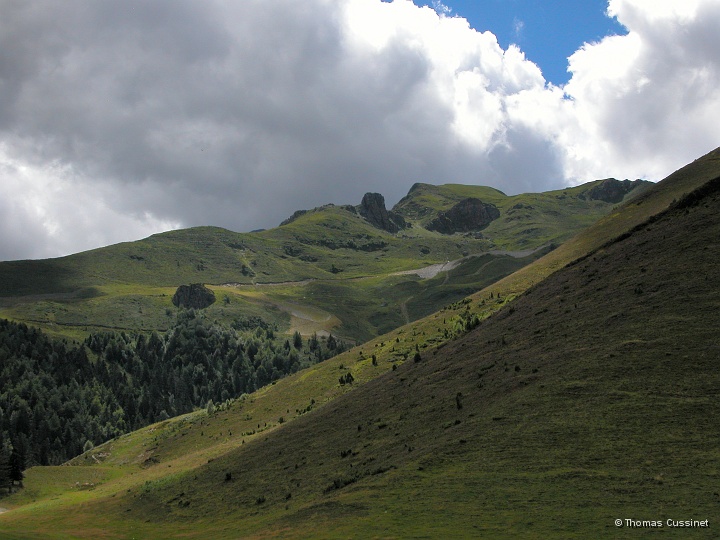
(612, 190)
(196, 296)
(467, 215)
(372, 208)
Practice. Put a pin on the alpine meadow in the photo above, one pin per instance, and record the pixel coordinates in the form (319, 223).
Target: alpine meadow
(524, 381)
(359, 269)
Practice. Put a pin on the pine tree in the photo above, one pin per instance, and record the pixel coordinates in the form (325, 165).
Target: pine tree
(5, 482)
(297, 340)
(17, 465)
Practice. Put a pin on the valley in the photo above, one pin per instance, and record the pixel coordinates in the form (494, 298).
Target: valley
(311, 260)
(522, 392)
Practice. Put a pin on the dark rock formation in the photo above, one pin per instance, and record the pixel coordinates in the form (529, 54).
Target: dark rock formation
(372, 208)
(467, 215)
(611, 190)
(196, 296)
(398, 220)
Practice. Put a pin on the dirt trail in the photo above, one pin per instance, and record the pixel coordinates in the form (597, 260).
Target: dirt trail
(516, 254)
(269, 284)
(404, 311)
(433, 270)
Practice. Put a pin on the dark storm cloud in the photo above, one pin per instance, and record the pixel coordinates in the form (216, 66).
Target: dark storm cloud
(122, 118)
(241, 111)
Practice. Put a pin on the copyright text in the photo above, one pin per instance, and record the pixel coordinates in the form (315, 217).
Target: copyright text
(659, 523)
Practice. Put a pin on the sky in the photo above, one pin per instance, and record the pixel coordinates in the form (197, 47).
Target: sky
(547, 32)
(123, 118)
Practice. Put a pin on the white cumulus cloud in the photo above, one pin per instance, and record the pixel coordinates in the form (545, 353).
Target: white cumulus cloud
(646, 103)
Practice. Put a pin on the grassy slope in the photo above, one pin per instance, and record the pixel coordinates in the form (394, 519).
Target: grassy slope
(591, 398)
(566, 379)
(129, 286)
(528, 219)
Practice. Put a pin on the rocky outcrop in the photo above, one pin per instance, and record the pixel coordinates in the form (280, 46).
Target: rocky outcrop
(295, 215)
(196, 296)
(398, 220)
(467, 215)
(611, 190)
(372, 208)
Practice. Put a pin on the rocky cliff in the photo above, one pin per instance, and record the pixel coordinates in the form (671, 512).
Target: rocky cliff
(611, 190)
(468, 215)
(372, 208)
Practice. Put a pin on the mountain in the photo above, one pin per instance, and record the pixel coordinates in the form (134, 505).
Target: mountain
(291, 276)
(583, 395)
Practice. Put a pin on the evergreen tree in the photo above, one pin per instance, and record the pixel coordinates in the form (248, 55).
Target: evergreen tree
(5, 475)
(54, 399)
(313, 342)
(17, 461)
(297, 340)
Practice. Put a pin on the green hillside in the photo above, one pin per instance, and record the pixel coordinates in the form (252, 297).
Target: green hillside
(292, 275)
(526, 219)
(586, 399)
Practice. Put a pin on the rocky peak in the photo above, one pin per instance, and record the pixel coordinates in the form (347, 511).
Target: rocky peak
(372, 208)
(468, 215)
(611, 190)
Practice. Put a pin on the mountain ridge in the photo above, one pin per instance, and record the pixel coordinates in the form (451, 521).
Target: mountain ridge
(311, 259)
(554, 416)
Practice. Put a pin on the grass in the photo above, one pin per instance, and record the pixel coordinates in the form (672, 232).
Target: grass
(528, 219)
(588, 398)
(589, 429)
(129, 286)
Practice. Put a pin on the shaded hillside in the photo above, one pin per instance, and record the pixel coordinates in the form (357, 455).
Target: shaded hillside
(57, 400)
(589, 398)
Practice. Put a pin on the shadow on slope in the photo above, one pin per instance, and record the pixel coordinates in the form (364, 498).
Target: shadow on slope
(471, 440)
(591, 398)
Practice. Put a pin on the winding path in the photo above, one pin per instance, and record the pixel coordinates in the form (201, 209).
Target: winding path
(433, 270)
(404, 311)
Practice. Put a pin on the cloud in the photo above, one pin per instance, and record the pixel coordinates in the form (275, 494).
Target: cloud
(120, 119)
(518, 27)
(46, 209)
(647, 100)
(440, 8)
